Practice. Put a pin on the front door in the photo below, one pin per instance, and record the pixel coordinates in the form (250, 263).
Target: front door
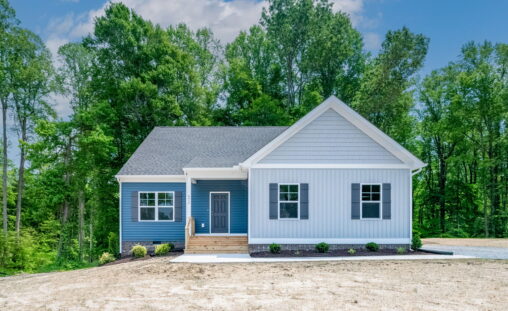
(219, 212)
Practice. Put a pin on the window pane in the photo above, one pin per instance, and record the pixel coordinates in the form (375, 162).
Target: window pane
(165, 213)
(376, 196)
(365, 196)
(293, 188)
(370, 210)
(147, 213)
(165, 199)
(293, 196)
(288, 210)
(284, 196)
(365, 188)
(375, 188)
(283, 188)
(147, 199)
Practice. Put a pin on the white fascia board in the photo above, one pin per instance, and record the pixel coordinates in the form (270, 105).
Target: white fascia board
(224, 173)
(332, 166)
(150, 178)
(329, 241)
(350, 115)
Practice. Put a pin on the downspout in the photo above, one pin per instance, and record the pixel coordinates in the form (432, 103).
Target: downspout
(120, 215)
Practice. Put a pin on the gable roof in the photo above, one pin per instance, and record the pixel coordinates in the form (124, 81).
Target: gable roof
(354, 118)
(167, 150)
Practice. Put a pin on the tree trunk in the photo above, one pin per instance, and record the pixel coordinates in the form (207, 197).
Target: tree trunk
(21, 176)
(67, 178)
(5, 159)
(81, 217)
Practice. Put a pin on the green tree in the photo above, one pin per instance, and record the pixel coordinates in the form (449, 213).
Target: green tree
(32, 73)
(385, 97)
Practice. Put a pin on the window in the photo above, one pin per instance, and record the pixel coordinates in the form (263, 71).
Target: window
(371, 201)
(288, 201)
(156, 206)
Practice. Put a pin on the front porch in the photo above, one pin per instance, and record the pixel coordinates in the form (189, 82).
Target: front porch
(217, 211)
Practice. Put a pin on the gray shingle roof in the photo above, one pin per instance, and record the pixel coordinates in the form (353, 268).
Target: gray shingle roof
(166, 150)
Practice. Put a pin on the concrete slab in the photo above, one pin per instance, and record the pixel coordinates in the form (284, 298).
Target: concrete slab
(239, 258)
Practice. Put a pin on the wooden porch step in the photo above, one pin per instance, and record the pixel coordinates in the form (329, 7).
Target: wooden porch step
(217, 244)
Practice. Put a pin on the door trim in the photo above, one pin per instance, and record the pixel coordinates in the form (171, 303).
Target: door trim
(210, 211)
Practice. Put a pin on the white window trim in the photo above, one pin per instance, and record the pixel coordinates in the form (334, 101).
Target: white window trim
(156, 206)
(210, 212)
(380, 201)
(279, 201)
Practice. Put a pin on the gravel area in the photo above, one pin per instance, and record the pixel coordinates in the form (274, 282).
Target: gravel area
(157, 284)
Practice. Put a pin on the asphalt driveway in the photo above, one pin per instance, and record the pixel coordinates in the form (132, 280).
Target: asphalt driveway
(475, 251)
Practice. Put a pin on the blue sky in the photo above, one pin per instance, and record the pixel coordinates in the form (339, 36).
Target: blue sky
(448, 23)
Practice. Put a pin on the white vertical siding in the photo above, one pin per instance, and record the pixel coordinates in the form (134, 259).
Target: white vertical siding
(330, 139)
(329, 204)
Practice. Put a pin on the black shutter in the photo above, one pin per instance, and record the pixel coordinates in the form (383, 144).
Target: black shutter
(274, 201)
(304, 201)
(387, 201)
(355, 201)
(134, 206)
(178, 206)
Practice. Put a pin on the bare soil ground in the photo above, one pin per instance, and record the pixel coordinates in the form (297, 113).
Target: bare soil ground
(157, 284)
(468, 242)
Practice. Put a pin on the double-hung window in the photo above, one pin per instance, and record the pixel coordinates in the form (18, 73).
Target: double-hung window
(288, 201)
(156, 206)
(371, 201)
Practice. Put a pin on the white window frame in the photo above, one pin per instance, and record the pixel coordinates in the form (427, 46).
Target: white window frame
(380, 201)
(156, 206)
(279, 201)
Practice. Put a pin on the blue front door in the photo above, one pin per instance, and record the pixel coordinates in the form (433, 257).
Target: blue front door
(219, 211)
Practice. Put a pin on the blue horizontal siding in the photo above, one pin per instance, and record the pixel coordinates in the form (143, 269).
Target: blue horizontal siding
(151, 231)
(238, 199)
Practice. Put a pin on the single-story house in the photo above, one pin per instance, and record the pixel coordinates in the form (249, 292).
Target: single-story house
(331, 177)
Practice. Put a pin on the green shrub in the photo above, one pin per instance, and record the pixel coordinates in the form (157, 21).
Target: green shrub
(138, 251)
(416, 242)
(322, 247)
(163, 249)
(351, 251)
(371, 246)
(274, 248)
(401, 250)
(105, 258)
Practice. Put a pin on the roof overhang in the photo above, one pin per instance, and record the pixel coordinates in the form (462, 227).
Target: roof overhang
(150, 178)
(407, 158)
(216, 173)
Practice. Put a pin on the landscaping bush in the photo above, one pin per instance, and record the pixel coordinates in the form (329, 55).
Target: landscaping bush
(322, 247)
(416, 242)
(274, 248)
(371, 246)
(351, 251)
(401, 250)
(105, 258)
(138, 251)
(163, 249)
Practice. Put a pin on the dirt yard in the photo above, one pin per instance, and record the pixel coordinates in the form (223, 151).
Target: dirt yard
(156, 284)
(468, 242)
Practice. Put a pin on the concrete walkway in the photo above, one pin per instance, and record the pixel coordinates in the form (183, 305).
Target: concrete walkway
(236, 258)
(474, 251)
